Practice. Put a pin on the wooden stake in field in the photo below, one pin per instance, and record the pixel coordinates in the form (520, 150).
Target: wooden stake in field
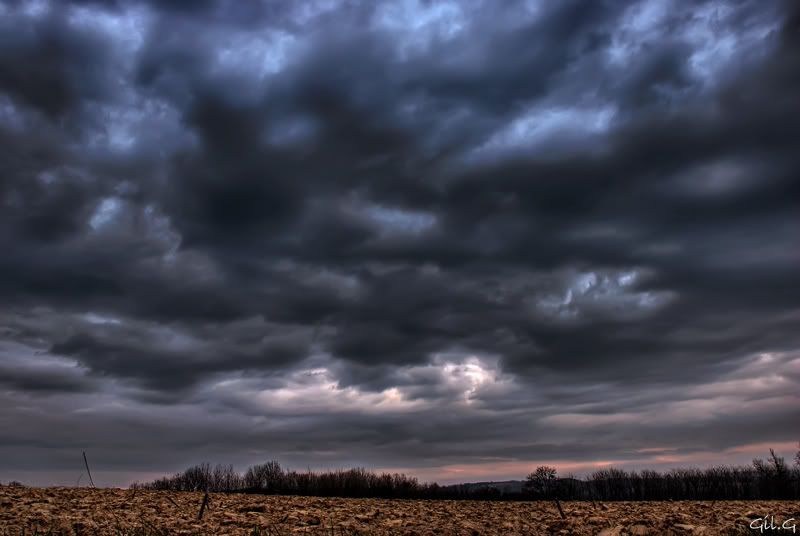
(203, 506)
(560, 511)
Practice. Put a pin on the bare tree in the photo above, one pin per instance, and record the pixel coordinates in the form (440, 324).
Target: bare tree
(544, 482)
(541, 481)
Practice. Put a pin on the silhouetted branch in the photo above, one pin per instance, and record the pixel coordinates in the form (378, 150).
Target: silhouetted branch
(86, 463)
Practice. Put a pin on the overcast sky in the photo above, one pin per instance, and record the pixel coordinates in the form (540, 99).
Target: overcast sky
(457, 239)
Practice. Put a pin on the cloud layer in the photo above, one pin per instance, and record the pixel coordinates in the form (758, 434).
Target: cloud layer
(445, 237)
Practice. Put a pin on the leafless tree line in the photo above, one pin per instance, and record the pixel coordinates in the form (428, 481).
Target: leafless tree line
(271, 478)
(772, 478)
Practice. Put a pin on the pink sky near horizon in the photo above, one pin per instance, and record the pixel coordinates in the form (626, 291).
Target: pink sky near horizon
(658, 458)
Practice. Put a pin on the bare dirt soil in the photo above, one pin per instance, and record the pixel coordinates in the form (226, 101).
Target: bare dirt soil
(86, 511)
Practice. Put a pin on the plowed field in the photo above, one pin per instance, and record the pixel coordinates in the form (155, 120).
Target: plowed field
(62, 511)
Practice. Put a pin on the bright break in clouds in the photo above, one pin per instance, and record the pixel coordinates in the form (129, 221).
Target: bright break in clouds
(452, 238)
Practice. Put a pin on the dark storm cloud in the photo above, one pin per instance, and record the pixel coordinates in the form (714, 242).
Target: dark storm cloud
(420, 234)
(50, 66)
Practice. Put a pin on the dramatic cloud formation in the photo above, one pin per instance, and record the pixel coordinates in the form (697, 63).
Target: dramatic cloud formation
(454, 238)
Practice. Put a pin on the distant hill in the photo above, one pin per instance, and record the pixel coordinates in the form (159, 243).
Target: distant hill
(512, 486)
(503, 486)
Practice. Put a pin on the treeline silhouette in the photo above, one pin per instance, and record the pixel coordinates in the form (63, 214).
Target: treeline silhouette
(772, 478)
(271, 478)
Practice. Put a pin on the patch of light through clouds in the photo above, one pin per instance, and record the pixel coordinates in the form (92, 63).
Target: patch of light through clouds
(258, 54)
(418, 23)
(540, 130)
(608, 293)
(395, 220)
(105, 213)
(127, 28)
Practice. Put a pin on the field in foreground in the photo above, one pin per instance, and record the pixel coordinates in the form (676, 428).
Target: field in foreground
(113, 511)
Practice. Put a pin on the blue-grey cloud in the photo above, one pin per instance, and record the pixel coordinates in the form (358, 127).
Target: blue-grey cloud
(406, 234)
